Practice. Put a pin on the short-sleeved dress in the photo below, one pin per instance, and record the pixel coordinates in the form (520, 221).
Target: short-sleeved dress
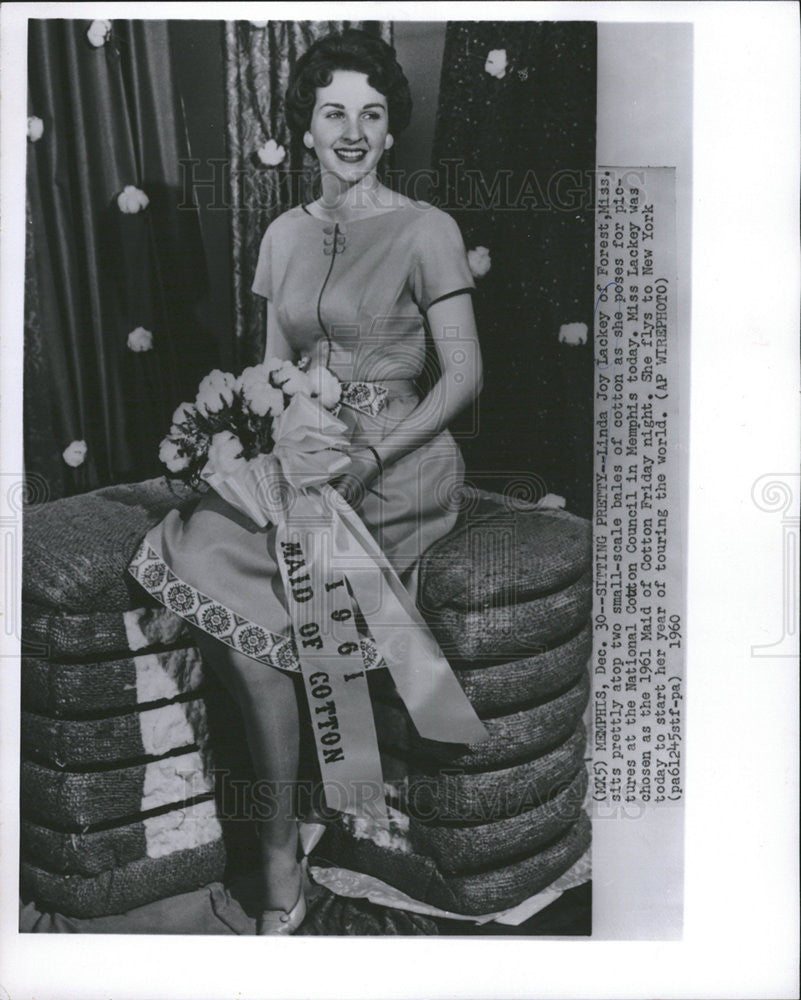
(355, 296)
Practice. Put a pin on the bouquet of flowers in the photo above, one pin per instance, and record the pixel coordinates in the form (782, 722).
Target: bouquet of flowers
(250, 436)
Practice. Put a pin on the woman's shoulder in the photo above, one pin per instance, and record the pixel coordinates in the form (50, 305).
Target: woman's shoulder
(428, 219)
(286, 220)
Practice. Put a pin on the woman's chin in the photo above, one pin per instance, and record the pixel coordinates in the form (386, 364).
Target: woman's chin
(350, 173)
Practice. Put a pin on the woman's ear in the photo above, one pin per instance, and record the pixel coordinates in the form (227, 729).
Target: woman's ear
(388, 142)
(308, 141)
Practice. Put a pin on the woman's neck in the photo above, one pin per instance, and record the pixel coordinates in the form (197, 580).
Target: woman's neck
(342, 203)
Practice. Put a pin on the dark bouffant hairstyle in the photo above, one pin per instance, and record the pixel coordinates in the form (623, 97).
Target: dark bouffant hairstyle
(351, 50)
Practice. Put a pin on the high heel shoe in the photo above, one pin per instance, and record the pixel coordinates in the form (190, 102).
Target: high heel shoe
(283, 921)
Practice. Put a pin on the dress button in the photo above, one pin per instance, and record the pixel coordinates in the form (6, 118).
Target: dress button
(328, 230)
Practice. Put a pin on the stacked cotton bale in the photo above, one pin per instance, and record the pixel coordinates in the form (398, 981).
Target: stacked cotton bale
(479, 829)
(117, 796)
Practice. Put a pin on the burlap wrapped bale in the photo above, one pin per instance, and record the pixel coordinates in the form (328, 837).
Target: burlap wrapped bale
(92, 743)
(509, 885)
(75, 800)
(477, 893)
(451, 796)
(494, 688)
(52, 635)
(516, 737)
(501, 554)
(95, 851)
(60, 688)
(119, 889)
(480, 846)
(516, 630)
(76, 550)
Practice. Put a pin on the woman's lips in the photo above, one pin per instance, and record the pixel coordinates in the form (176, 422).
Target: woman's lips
(351, 155)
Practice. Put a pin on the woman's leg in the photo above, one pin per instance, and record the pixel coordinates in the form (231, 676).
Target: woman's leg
(267, 699)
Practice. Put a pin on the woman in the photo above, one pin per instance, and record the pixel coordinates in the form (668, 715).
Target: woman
(353, 280)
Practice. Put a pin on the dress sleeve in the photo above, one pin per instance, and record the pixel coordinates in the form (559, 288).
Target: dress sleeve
(263, 278)
(441, 267)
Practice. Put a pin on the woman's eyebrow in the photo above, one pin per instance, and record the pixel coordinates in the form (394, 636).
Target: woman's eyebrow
(333, 104)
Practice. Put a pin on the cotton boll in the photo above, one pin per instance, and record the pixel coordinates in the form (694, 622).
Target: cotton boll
(496, 63)
(98, 33)
(326, 386)
(297, 382)
(75, 453)
(573, 333)
(140, 339)
(216, 390)
(184, 413)
(260, 394)
(264, 398)
(35, 128)
(172, 456)
(271, 154)
(479, 261)
(132, 200)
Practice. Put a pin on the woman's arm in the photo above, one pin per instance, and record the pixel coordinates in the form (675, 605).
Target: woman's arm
(453, 330)
(276, 345)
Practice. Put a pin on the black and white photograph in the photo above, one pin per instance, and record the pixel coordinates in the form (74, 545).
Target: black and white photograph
(351, 510)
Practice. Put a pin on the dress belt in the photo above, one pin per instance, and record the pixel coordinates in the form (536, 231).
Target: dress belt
(372, 397)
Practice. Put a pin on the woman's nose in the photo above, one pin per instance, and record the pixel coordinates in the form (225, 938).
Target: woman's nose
(353, 130)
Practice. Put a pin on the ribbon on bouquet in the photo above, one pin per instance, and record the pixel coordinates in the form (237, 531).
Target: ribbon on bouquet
(328, 560)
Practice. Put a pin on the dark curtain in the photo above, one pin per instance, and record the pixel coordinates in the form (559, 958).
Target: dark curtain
(515, 160)
(111, 119)
(259, 60)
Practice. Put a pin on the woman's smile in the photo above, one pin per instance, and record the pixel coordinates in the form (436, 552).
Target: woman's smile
(350, 155)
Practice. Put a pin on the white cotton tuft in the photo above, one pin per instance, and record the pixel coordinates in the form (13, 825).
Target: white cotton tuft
(573, 334)
(496, 63)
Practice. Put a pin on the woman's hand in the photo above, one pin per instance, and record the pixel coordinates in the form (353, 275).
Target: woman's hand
(356, 480)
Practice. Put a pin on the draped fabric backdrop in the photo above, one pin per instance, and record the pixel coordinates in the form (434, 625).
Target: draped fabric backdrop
(111, 118)
(259, 60)
(515, 159)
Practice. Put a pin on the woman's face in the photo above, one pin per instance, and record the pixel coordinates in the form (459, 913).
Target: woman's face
(349, 126)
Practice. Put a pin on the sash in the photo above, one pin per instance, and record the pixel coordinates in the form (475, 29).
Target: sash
(328, 561)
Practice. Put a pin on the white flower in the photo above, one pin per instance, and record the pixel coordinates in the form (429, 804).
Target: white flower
(480, 261)
(75, 453)
(215, 391)
(172, 456)
(260, 394)
(573, 333)
(184, 413)
(140, 339)
(35, 128)
(271, 154)
(98, 33)
(496, 63)
(325, 385)
(131, 200)
(293, 381)
(225, 453)
(275, 365)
